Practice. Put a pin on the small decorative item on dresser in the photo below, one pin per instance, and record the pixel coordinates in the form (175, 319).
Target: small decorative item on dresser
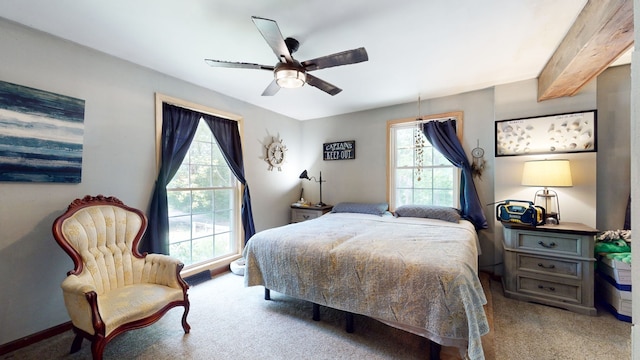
(551, 265)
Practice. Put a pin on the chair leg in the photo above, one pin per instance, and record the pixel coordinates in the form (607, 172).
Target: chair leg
(77, 344)
(185, 325)
(97, 347)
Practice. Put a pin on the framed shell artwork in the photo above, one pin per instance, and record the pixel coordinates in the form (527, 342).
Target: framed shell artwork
(550, 134)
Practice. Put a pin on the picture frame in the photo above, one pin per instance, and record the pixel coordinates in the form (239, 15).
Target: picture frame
(573, 132)
(339, 150)
(41, 135)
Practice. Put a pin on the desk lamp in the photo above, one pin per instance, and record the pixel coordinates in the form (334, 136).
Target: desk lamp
(304, 175)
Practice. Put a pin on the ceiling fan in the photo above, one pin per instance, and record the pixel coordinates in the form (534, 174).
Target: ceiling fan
(288, 72)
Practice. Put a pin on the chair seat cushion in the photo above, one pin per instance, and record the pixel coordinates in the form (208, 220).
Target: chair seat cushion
(134, 302)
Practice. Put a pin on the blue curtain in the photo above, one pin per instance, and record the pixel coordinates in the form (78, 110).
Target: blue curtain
(179, 126)
(228, 137)
(442, 136)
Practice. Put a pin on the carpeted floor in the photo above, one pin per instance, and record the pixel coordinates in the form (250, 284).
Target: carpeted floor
(229, 321)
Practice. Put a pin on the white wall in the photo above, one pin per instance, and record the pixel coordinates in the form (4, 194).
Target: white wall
(364, 178)
(118, 160)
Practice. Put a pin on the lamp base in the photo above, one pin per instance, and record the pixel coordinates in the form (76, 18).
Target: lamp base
(320, 204)
(552, 219)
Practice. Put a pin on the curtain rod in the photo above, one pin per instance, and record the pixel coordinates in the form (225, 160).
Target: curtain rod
(420, 120)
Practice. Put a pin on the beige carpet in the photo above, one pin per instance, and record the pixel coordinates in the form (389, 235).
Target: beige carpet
(531, 331)
(230, 321)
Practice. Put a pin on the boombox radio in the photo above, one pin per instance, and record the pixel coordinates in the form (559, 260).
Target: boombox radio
(522, 212)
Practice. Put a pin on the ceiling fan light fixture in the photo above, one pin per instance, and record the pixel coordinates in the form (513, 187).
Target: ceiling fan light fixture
(290, 78)
(288, 72)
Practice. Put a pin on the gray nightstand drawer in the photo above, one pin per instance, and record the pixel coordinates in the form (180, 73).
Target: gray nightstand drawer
(304, 213)
(552, 243)
(299, 215)
(568, 268)
(550, 289)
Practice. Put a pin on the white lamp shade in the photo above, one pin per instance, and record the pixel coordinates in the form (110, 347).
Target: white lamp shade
(549, 173)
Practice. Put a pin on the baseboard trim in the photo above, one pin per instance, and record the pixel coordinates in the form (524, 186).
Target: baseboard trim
(59, 329)
(34, 338)
(220, 270)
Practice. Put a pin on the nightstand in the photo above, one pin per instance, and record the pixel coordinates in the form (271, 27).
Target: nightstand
(304, 213)
(551, 265)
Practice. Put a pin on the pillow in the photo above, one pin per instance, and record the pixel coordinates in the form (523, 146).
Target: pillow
(362, 208)
(429, 211)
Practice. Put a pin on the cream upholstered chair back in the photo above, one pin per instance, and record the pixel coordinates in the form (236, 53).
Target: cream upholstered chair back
(104, 237)
(114, 288)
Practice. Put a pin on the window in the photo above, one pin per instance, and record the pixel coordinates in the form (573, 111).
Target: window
(205, 229)
(201, 198)
(418, 173)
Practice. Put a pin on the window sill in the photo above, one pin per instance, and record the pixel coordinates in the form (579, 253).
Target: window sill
(210, 266)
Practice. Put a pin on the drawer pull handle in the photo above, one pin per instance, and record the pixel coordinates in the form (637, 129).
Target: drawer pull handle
(306, 217)
(550, 246)
(550, 288)
(546, 267)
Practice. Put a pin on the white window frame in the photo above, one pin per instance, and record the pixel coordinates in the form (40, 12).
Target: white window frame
(391, 152)
(238, 230)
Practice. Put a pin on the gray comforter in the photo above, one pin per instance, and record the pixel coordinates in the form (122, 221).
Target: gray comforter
(415, 274)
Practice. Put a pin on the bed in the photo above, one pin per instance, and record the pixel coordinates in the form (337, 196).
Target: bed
(418, 274)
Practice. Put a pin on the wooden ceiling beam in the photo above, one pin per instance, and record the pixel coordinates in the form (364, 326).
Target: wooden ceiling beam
(602, 32)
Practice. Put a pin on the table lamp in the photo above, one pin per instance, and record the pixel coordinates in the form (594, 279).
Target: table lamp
(547, 173)
(304, 175)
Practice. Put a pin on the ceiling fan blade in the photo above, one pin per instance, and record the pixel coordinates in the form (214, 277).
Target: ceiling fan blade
(238, 65)
(337, 59)
(271, 33)
(272, 89)
(323, 85)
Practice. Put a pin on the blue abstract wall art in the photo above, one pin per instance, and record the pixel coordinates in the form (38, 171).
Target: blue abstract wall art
(41, 135)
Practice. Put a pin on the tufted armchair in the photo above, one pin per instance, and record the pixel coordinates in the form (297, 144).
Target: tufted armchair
(113, 288)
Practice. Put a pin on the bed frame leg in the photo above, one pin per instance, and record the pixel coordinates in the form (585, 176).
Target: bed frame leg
(434, 350)
(267, 294)
(316, 312)
(349, 317)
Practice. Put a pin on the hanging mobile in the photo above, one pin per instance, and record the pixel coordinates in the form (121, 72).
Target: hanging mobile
(478, 161)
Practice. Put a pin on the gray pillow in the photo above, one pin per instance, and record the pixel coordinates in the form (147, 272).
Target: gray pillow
(429, 211)
(361, 208)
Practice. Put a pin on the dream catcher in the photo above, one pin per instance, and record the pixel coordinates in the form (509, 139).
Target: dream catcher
(477, 167)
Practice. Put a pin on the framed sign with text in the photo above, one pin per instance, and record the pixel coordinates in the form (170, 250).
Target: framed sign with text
(340, 150)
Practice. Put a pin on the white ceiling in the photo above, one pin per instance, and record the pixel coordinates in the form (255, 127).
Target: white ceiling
(426, 48)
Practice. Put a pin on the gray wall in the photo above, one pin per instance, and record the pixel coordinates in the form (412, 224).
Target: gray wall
(614, 157)
(364, 178)
(634, 135)
(119, 157)
(577, 203)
